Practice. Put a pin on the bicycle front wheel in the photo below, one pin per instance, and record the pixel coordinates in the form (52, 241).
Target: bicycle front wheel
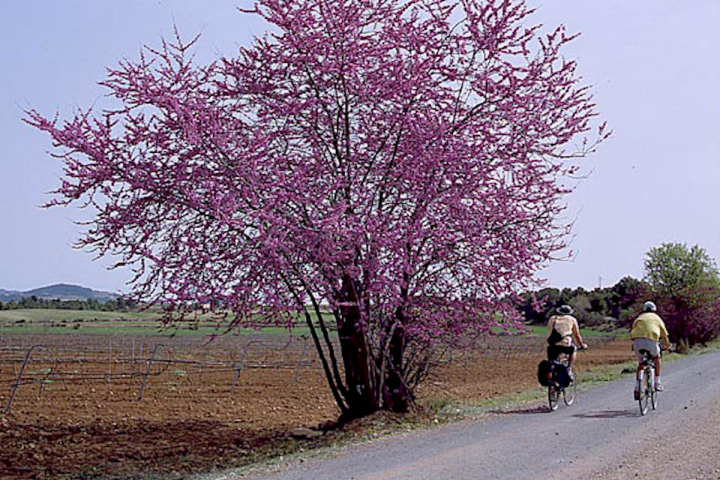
(569, 394)
(553, 397)
(653, 394)
(644, 395)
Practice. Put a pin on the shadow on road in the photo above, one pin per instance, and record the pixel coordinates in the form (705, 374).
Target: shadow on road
(608, 414)
(522, 411)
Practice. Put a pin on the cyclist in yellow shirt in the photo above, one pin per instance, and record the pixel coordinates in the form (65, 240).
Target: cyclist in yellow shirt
(647, 331)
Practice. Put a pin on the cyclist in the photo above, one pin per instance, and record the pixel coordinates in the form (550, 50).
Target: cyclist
(647, 331)
(563, 327)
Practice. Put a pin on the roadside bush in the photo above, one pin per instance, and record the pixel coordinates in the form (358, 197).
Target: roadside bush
(686, 287)
(691, 322)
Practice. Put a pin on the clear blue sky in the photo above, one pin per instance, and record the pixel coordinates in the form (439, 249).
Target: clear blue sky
(654, 65)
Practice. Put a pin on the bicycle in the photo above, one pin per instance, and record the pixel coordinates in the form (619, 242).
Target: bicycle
(648, 395)
(558, 383)
(646, 375)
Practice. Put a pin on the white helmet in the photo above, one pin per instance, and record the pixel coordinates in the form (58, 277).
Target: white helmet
(649, 306)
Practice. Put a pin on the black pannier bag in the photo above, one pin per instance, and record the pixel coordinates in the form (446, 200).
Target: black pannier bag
(543, 373)
(561, 375)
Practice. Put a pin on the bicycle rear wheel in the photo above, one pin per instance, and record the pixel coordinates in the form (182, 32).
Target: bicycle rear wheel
(553, 397)
(569, 394)
(644, 394)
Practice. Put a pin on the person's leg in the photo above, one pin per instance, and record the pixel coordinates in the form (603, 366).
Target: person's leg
(551, 353)
(637, 346)
(658, 383)
(571, 353)
(654, 349)
(571, 361)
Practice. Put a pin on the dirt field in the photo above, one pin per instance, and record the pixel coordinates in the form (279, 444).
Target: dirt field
(77, 411)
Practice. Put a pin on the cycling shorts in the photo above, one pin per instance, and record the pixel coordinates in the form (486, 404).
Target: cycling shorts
(553, 351)
(646, 344)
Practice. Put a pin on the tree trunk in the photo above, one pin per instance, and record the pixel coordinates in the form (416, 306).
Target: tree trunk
(361, 393)
(361, 397)
(683, 345)
(396, 394)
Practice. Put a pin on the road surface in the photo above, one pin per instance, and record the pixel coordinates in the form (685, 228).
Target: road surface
(601, 436)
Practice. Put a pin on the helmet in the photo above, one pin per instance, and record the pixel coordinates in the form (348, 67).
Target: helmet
(565, 310)
(649, 306)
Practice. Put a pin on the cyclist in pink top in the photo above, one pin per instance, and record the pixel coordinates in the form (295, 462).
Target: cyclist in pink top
(563, 327)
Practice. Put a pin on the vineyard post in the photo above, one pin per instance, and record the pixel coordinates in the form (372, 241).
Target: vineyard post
(300, 361)
(132, 373)
(200, 370)
(239, 366)
(49, 373)
(147, 370)
(17, 380)
(110, 361)
(61, 377)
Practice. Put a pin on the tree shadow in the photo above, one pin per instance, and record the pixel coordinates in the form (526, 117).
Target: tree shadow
(522, 411)
(608, 414)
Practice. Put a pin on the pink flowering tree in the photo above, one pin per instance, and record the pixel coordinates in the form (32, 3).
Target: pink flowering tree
(388, 169)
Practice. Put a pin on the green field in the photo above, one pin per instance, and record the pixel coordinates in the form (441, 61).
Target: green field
(52, 315)
(50, 321)
(542, 331)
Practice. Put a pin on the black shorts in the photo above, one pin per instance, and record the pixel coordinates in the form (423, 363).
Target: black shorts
(553, 351)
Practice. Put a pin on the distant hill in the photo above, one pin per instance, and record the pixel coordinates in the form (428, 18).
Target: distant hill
(60, 291)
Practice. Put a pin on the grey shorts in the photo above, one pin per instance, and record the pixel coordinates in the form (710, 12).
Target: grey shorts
(646, 344)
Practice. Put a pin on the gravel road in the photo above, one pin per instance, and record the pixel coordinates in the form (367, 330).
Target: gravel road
(602, 436)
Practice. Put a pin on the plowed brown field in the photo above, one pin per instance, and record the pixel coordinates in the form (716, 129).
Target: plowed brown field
(77, 412)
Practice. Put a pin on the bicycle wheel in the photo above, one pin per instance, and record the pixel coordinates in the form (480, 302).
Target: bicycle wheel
(569, 394)
(553, 396)
(653, 393)
(644, 394)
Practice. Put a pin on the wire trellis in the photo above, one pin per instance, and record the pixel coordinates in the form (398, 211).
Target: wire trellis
(136, 363)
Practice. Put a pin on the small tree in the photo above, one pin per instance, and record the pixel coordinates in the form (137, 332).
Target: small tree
(392, 166)
(601, 305)
(686, 286)
(624, 297)
(536, 307)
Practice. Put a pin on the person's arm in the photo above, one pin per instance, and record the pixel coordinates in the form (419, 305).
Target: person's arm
(634, 323)
(576, 332)
(664, 337)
